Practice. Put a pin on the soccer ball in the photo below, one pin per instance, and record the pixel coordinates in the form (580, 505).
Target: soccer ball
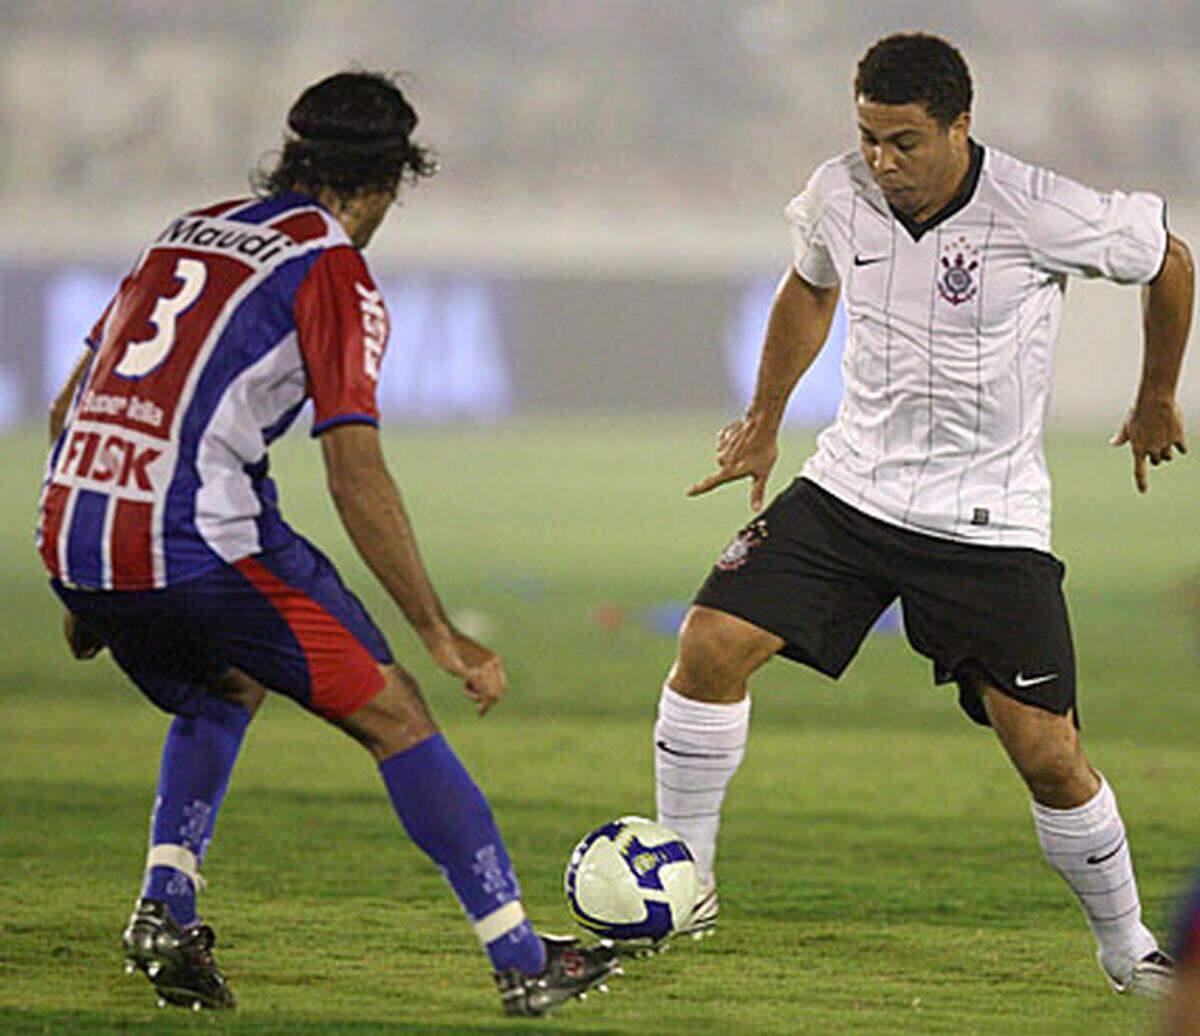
(631, 880)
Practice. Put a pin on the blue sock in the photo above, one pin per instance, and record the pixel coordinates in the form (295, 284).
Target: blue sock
(445, 813)
(197, 760)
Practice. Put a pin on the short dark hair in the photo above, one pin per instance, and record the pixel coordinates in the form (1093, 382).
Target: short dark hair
(351, 132)
(915, 67)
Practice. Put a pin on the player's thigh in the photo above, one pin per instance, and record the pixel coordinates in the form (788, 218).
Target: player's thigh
(281, 620)
(992, 616)
(801, 580)
(152, 642)
(285, 619)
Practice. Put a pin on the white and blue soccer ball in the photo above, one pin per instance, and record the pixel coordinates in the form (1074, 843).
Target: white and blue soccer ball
(631, 880)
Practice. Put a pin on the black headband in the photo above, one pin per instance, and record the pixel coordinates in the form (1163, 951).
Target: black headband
(363, 145)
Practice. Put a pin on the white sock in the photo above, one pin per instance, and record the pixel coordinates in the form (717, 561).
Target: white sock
(1087, 846)
(698, 747)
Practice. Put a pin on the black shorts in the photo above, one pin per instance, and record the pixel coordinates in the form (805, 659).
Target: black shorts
(818, 573)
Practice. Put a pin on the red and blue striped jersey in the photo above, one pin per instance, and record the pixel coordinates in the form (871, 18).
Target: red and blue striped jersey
(232, 318)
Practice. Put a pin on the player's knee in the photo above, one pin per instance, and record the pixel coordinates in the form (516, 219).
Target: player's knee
(394, 720)
(400, 706)
(716, 655)
(1057, 774)
(236, 687)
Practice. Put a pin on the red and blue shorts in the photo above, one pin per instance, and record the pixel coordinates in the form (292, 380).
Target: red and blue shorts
(283, 617)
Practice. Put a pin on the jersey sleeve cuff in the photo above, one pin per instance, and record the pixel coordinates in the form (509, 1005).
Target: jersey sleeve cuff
(1166, 244)
(332, 422)
(818, 279)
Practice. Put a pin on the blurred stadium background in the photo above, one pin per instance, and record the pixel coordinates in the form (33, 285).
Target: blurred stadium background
(613, 172)
(577, 300)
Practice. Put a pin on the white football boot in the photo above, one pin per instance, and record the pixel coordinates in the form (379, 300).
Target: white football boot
(703, 920)
(1150, 976)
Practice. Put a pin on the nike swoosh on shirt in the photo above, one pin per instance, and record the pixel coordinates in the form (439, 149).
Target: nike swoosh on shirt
(686, 755)
(869, 260)
(1108, 855)
(1021, 680)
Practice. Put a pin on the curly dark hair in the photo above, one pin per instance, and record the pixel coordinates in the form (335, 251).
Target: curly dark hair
(915, 67)
(351, 132)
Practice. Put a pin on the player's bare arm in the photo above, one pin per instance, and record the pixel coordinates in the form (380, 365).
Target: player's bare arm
(796, 331)
(373, 513)
(1154, 427)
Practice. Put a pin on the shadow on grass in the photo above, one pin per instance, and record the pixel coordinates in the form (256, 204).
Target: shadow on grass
(92, 1022)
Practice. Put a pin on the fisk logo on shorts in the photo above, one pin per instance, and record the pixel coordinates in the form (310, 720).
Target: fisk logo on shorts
(111, 461)
(738, 552)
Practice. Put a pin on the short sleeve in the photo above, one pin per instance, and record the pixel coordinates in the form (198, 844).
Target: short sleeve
(1086, 233)
(95, 337)
(810, 255)
(342, 328)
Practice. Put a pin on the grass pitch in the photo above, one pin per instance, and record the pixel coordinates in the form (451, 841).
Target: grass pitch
(879, 870)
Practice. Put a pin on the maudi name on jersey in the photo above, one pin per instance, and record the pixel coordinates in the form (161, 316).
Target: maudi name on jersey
(219, 235)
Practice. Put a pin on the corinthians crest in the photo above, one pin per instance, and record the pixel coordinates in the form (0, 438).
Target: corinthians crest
(957, 278)
(738, 551)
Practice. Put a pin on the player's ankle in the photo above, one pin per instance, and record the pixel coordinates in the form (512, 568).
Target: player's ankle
(1120, 949)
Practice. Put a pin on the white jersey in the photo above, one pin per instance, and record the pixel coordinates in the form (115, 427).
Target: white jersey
(952, 325)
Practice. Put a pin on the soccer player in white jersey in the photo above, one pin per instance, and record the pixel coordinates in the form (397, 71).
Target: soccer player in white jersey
(161, 532)
(951, 259)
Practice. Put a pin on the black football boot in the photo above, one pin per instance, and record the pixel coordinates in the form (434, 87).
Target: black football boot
(177, 961)
(571, 970)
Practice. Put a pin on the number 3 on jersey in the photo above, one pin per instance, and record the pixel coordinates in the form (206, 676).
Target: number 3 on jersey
(141, 357)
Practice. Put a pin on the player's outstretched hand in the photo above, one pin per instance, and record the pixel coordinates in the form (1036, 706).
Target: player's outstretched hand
(745, 449)
(479, 668)
(84, 644)
(1152, 430)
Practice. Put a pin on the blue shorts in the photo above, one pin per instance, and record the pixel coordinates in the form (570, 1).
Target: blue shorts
(283, 617)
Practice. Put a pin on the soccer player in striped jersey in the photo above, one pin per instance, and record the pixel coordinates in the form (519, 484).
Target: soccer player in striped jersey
(1181, 1013)
(161, 532)
(951, 259)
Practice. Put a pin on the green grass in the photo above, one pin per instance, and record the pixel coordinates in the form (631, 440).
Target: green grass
(879, 872)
